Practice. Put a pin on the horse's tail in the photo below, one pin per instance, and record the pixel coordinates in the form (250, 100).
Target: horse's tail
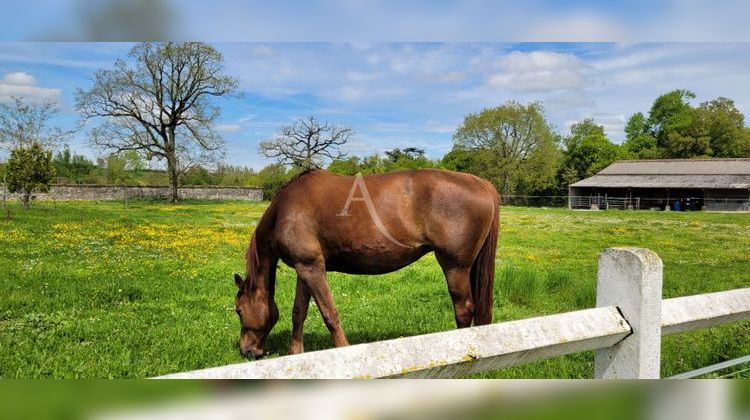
(483, 270)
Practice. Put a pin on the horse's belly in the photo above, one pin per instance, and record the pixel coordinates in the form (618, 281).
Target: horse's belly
(361, 263)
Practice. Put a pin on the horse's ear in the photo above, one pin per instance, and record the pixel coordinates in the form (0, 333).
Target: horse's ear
(238, 280)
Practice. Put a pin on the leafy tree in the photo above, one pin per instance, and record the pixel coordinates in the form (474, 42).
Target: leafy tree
(408, 158)
(122, 168)
(235, 176)
(307, 143)
(694, 141)
(539, 171)
(153, 177)
(161, 105)
(671, 112)
(566, 175)
(640, 142)
(373, 164)
(197, 175)
(408, 153)
(273, 177)
(516, 139)
(24, 122)
(465, 160)
(116, 173)
(673, 122)
(395, 160)
(29, 169)
(725, 126)
(588, 150)
(349, 166)
(73, 167)
(637, 125)
(676, 129)
(134, 164)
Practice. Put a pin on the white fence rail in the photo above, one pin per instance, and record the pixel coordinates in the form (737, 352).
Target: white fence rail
(625, 331)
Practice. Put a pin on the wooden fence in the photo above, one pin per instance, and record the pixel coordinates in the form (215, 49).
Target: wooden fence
(624, 330)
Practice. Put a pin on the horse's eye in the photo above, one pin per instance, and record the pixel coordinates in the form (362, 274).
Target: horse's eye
(238, 310)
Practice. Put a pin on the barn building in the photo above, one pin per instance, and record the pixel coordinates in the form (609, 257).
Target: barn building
(666, 184)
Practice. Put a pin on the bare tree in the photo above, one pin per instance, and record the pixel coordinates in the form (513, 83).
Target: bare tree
(161, 105)
(307, 143)
(24, 122)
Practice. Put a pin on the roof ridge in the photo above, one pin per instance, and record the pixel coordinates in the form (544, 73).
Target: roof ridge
(681, 160)
(680, 174)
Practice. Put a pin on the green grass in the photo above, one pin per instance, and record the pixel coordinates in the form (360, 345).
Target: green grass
(91, 289)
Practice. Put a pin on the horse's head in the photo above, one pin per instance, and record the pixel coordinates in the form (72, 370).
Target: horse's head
(258, 314)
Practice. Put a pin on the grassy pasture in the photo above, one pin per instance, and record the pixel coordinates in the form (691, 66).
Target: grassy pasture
(91, 289)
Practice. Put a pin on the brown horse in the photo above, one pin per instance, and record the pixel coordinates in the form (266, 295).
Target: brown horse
(369, 225)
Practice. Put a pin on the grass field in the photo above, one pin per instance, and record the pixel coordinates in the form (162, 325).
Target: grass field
(91, 289)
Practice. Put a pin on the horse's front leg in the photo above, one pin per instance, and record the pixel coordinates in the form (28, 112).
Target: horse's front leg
(299, 314)
(314, 277)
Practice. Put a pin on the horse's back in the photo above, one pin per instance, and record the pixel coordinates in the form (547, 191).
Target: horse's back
(379, 223)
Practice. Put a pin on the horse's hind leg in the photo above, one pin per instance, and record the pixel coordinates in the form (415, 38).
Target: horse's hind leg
(459, 287)
(299, 314)
(314, 277)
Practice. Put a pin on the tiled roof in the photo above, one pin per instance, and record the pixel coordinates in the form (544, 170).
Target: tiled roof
(673, 173)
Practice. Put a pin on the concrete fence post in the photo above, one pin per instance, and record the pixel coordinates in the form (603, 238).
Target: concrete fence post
(631, 280)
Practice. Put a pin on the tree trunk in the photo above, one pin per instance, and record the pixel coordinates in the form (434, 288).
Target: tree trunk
(172, 169)
(25, 199)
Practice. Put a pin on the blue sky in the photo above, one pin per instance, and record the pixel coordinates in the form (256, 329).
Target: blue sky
(406, 94)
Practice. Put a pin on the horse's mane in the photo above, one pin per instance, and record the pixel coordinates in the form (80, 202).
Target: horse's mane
(251, 262)
(295, 179)
(251, 255)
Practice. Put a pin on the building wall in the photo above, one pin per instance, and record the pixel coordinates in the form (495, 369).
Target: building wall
(103, 192)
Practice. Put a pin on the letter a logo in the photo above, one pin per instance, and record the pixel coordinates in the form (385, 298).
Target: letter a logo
(359, 182)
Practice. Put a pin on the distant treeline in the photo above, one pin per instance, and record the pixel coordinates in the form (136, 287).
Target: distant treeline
(512, 145)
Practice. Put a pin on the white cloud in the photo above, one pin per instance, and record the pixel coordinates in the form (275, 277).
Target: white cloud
(570, 99)
(438, 127)
(228, 128)
(263, 51)
(450, 77)
(247, 117)
(392, 127)
(354, 93)
(19, 78)
(359, 76)
(539, 71)
(405, 85)
(362, 46)
(638, 57)
(24, 85)
(580, 25)
(613, 124)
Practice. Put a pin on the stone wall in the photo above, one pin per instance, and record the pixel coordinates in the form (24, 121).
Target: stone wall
(104, 192)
